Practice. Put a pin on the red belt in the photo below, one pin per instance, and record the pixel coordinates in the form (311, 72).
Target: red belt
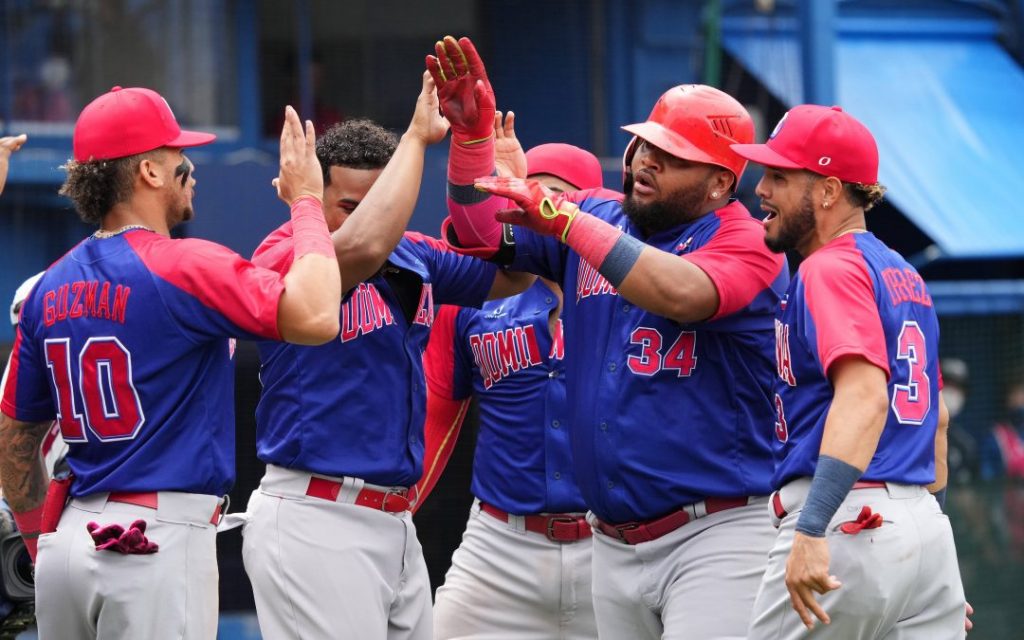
(781, 513)
(637, 532)
(557, 527)
(390, 501)
(149, 500)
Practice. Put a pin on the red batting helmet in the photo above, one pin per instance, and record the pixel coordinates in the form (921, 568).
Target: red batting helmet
(698, 123)
(578, 167)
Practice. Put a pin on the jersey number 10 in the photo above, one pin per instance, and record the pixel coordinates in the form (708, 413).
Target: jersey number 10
(105, 400)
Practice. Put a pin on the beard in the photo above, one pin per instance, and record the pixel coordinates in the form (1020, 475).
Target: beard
(678, 207)
(793, 230)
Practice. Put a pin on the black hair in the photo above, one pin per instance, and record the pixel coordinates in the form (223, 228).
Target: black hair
(96, 186)
(356, 144)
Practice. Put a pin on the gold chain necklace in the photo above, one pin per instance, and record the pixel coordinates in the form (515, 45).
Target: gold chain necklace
(100, 233)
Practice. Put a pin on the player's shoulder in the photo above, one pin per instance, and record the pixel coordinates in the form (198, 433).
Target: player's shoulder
(417, 240)
(737, 218)
(839, 260)
(277, 251)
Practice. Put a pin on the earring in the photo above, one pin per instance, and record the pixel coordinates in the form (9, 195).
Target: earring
(714, 195)
(825, 204)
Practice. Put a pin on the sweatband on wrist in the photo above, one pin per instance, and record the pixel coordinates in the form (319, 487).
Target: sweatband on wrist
(309, 228)
(28, 525)
(609, 249)
(832, 481)
(467, 163)
(940, 497)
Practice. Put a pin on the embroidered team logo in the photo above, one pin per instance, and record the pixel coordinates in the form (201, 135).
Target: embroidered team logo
(232, 343)
(500, 353)
(425, 309)
(364, 312)
(591, 283)
(783, 359)
(778, 127)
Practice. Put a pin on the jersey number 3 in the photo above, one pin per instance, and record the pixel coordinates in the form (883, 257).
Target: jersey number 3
(911, 401)
(106, 399)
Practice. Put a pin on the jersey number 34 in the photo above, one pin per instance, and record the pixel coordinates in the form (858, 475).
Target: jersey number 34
(105, 399)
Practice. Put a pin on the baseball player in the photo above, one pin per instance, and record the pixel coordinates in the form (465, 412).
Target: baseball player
(8, 145)
(669, 303)
(523, 568)
(127, 342)
(857, 403)
(330, 544)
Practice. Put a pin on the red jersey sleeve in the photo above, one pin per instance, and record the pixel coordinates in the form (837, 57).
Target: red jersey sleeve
(245, 295)
(840, 298)
(737, 260)
(440, 362)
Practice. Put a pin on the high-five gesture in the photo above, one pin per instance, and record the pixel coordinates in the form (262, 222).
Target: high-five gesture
(8, 145)
(541, 209)
(427, 122)
(466, 96)
(509, 157)
(300, 173)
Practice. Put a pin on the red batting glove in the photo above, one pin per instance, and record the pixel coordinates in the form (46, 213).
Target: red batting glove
(114, 537)
(865, 520)
(541, 209)
(463, 90)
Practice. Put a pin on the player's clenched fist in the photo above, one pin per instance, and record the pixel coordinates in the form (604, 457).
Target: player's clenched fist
(541, 209)
(300, 173)
(465, 93)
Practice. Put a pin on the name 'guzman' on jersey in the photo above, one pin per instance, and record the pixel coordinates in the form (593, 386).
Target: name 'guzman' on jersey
(125, 340)
(355, 406)
(666, 414)
(505, 355)
(856, 296)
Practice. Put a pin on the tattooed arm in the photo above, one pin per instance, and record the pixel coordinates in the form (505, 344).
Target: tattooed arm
(22, 474)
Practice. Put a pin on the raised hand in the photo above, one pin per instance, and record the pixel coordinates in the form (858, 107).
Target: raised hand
(427, 122)
(8, 145)
(509, 157)
(541, 209)
(300, 173)
(464, 91)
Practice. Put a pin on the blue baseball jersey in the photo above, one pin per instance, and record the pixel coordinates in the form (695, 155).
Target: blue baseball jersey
(355, 406)
(126, 341)
(666, 414)
(506, 355)
(855, 296)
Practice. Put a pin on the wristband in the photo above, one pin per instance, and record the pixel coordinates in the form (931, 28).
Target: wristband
(832, 481)
(29, 524)
(940, 497)
(467, 162)
(609, 249)
(309, 228)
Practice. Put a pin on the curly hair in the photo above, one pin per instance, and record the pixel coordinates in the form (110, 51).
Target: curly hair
(356, 144)
(865, 196)
(95, 187)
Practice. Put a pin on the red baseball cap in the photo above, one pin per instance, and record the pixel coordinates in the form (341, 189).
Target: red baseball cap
(124, 122)
(825, 140)
(578, 167)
